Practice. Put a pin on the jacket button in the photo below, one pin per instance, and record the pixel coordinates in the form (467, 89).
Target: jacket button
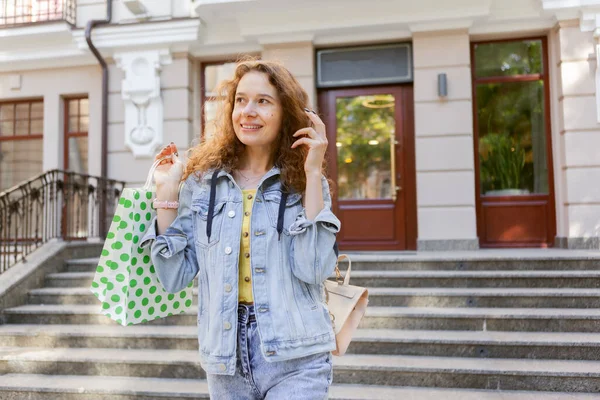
(245, 234)
(227, 325)
(249, 197)
(228, 287)
(227, 250)
(247, 279)
(270, 353)
(231, 214)
(247, 213)
(222, 367)
(247, 255)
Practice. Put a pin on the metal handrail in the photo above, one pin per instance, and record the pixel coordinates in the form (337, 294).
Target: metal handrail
(54, 204)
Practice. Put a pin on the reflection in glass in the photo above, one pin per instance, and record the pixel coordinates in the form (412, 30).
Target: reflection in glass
(37, 126)
(214, 75)
(7, 112)
(78, 154)
(84, 123)
(365, 127)
(73, 108)
(73, 121)
(37, 110)
(512, 138)
(19, 161)
(7, 128)
(22, 127)
(22, 111)
(84, 107)
(508, 58)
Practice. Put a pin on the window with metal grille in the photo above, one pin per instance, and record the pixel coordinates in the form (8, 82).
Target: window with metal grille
(17, 12)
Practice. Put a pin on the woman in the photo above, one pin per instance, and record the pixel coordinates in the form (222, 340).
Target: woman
(254, 223)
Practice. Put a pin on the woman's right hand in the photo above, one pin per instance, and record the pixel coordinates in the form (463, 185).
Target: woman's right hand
(170, 171)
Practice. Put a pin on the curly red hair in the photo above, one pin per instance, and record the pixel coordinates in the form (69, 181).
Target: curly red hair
(223, 149)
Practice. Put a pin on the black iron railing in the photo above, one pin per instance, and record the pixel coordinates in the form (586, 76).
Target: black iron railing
(19, 12)
(55, 204)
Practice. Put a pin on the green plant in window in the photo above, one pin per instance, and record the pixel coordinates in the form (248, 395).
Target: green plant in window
(502, 162)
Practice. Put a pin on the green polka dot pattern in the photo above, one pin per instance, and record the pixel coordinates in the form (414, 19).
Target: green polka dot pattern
(125, 282)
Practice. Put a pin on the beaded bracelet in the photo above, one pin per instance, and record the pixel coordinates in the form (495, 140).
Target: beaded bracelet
(165, 204)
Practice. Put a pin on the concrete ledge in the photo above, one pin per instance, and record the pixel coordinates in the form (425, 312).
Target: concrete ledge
(16, 282)
(578, 243)
(447, 245)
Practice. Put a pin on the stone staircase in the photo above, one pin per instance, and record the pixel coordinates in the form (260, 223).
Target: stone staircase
(489, 325)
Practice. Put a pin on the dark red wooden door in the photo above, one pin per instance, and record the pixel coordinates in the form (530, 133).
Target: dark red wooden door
(371, 160)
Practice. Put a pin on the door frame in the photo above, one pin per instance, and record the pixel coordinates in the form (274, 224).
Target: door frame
(405, 155)
(535, 199)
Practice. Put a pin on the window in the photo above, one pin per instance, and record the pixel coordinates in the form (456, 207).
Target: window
(212, 76)
(509, 89)
(21, 141)
(15, 12)
(76, 135)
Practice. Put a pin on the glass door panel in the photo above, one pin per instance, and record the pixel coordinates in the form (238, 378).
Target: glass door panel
(512, 138)
(365, 147)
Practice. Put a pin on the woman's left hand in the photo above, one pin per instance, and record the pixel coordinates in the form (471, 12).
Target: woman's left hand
(316, 140)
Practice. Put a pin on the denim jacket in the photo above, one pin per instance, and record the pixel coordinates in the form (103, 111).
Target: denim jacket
(288, 269)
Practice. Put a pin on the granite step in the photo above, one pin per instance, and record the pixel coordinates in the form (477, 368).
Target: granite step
(385, 370)
(419, 318)
(423, 279)
(74, 387)
(500, 259)
(478, 344)
(401, 297)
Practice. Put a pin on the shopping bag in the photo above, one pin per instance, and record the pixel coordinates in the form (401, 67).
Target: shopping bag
(125, 281)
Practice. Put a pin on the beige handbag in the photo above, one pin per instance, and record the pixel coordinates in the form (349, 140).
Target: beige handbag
(347, 305)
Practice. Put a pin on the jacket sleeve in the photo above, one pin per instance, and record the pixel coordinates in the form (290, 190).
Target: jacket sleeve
(174, 253)
(311, 255)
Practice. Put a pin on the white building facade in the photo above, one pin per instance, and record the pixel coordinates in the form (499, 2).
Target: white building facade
(453, 125)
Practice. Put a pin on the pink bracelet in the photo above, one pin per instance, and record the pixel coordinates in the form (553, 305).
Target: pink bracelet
(165, 204)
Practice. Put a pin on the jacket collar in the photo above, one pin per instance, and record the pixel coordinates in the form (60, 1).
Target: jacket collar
(274, 171)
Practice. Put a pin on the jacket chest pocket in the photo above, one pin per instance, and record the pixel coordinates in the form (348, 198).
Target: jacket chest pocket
(293, 206)
(200, 210)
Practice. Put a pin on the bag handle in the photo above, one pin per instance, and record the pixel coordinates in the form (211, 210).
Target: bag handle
(148, 184)
(338, 275)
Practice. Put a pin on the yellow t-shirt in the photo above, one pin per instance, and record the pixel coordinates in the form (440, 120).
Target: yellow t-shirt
(245, 271)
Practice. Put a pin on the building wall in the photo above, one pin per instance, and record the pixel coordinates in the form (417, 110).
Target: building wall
(177, 81)
(576, 136)
(299, 58)
(444, 142)
(53, 85)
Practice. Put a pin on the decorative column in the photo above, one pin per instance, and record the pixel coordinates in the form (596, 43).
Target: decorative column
(143, 103)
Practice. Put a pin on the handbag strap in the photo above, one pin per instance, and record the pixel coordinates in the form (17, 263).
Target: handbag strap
(338, 275)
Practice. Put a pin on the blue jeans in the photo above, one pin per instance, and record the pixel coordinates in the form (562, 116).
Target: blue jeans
(306, 378)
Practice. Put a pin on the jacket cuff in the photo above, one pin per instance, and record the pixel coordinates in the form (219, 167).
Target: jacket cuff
(324, 218)
(171, 242)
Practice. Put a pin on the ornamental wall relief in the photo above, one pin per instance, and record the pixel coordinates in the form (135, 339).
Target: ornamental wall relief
(143, 102)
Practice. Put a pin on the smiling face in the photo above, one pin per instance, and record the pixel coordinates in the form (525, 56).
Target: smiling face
(257, 111)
